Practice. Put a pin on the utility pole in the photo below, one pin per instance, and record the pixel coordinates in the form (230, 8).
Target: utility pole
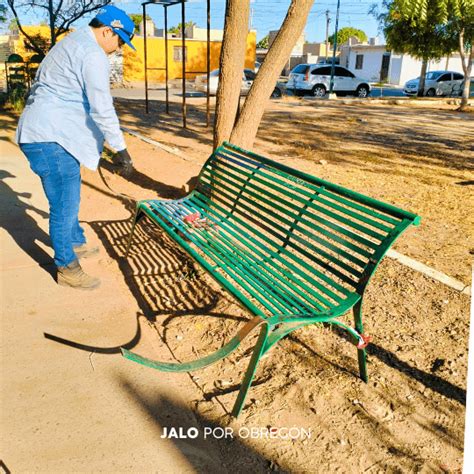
(328, 20)
(333, 66)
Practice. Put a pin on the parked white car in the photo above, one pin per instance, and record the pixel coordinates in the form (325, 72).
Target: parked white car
(437, 83)
(248, 76)
(314, 79)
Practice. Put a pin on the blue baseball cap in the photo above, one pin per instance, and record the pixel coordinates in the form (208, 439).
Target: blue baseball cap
(119, 21)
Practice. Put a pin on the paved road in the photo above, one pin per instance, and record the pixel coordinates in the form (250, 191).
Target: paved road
(158, 93)
(387, 92)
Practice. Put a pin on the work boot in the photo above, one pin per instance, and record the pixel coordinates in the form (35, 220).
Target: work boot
(73, 276)
(85, 251)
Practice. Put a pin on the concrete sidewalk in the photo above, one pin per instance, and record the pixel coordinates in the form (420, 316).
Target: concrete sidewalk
(73, 409)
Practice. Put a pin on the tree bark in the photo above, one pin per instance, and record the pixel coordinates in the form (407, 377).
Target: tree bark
(421, 83)
(231, 66)
(51, 23)
(254, 106)
(467, 68)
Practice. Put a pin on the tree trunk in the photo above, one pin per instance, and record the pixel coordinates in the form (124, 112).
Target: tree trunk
(231, 66)
(467, 68)
(254, 106)
(421, 83)
(52, 23)
(467, 84)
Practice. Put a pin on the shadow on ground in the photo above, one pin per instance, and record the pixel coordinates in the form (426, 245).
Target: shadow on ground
(22, 227)
(234, 455)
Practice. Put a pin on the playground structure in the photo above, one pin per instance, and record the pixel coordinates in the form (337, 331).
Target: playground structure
(166, 4)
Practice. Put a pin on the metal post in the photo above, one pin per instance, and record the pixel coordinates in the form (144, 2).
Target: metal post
(333, 66)
(145, 58)
(208, 111)
(183, 57)
(327, 33)
(6, 76)
(166, 59)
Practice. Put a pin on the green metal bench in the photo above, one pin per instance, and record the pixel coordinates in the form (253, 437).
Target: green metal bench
(291, 248)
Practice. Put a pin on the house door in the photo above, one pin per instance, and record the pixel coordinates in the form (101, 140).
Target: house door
(385, 66)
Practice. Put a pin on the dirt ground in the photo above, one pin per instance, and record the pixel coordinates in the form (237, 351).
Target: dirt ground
(410, 416)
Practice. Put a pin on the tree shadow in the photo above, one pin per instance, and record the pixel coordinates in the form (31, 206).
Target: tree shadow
(431, 381)
(7, 126)
(143, 181)
(133, 116)
(200, 452)
(161, 278)
(422, 145)
(22, 227)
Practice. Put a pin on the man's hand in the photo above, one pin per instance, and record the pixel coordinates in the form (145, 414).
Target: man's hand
(124, 162)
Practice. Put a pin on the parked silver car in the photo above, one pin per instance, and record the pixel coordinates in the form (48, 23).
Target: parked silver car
(248, 76)
(437, 83)
(314, 79)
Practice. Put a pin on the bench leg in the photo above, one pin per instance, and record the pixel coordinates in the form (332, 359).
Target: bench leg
(361, 353)
(244, 388)
(136, 220)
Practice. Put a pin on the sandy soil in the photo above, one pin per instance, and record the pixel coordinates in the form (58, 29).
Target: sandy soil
(410, 416)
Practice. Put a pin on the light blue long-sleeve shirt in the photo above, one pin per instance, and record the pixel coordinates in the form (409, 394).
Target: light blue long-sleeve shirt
(70, 102)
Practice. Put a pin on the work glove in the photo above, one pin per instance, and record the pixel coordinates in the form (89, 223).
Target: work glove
(124, 163)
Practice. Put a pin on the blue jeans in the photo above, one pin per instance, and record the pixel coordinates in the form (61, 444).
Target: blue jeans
(61, 178)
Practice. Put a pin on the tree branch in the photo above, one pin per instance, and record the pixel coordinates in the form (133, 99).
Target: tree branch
(90, 7)
(31, 43)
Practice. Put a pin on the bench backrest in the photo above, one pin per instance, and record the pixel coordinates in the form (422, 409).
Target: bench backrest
(328, 235)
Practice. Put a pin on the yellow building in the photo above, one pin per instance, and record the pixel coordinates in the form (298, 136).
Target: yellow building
(18, 41)
(133, 61)
(196, 57)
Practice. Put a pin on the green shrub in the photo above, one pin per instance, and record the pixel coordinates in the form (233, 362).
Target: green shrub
(17, 97)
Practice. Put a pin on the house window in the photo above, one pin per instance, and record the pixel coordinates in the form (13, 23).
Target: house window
(177, 53)
(359, 61)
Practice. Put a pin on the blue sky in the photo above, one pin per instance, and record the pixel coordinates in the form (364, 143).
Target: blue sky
(266, 15)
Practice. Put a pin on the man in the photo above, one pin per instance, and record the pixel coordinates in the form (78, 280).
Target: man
(68, 114)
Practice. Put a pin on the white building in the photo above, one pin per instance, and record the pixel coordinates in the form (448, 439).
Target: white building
(376, 63)
(297, 48)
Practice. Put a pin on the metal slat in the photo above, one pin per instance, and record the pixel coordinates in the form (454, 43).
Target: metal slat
(316, 189)
(291, 243)
(231, 271)
(225, 245)
(264, 260)
(292, 195)
(274, 254)
(217, 276)
(311, 235)
(321, 263)
(313, 188)
(327, 223)
(373, 203)
(302, 219)
(238, 236)
(203, 243)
